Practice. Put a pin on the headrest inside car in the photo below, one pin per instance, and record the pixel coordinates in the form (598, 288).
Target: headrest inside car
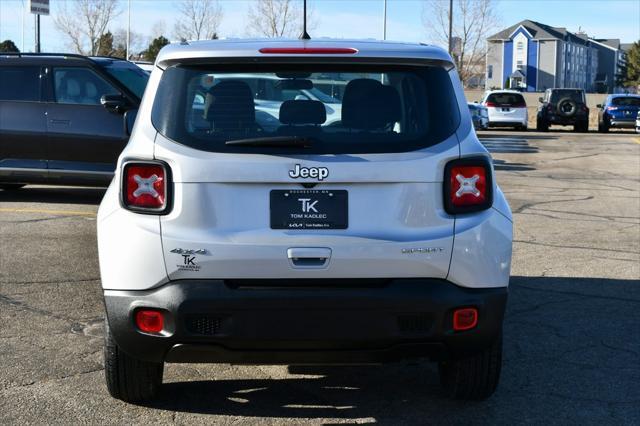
(368, 105)
(302, 112)
(233, 107)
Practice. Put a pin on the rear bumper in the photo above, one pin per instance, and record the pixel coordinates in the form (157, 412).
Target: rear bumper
(622, 123)
(321, 321)
(507, 123)
(567, 121)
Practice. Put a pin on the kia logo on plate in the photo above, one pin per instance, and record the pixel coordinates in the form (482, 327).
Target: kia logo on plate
(319, 173)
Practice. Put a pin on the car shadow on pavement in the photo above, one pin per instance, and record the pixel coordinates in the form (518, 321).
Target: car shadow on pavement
(324, 392)
(570, 357)
(522, 135)
(508, 166)
(54, 194)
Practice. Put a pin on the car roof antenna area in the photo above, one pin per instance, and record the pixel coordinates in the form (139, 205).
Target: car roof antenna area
(305, 35)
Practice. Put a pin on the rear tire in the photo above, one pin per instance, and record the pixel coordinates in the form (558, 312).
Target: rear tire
(473, 378)
(129, 379)
(11, 186)
(603, 127)
(581, 127)
(542, 125)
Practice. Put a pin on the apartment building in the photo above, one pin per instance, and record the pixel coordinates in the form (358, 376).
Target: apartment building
(533, 57)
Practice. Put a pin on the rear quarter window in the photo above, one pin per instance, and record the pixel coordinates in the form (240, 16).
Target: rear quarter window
(375, 109)
(21, 83)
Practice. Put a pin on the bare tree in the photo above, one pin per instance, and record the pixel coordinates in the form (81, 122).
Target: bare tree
(198, 20)
(278, 18)
(137, 41)
(473, 21)
(159, 28)
(85, 22)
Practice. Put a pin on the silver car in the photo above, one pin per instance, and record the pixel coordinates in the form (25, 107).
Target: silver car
(377, 236)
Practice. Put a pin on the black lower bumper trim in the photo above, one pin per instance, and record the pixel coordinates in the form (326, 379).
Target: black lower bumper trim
(568, 121)
(506, 123)
(623, 124)
(328, 321)
(188, 353)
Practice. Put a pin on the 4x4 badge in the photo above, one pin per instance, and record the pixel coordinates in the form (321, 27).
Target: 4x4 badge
(189, 251)
(309, 172)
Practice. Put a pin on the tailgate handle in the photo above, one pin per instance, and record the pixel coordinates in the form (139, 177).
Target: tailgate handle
(309, 257)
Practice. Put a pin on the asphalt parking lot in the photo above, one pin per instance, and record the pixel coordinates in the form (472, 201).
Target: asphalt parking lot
(572, 330)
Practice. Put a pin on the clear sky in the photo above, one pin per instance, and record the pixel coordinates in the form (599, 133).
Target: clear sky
(347, 19)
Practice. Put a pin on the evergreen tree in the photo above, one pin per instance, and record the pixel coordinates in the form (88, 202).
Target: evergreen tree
(632, 74)
(9, 46)
(104, 45)
(154, 48)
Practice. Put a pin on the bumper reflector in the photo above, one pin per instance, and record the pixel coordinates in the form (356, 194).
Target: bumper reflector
(465, 319)
(149, 320)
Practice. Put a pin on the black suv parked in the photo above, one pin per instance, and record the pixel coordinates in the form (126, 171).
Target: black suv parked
(565, 107)
(61, 117)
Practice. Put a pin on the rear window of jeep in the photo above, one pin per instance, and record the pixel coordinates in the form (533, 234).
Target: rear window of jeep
(333, 108)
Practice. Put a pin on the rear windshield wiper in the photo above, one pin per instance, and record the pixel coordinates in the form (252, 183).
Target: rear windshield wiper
(274, 141)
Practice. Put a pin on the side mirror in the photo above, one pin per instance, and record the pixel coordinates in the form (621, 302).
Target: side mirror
(114, 103)
(129, 120)
(540, 99)
(599, 106)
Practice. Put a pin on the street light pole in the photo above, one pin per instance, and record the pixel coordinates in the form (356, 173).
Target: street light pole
(22, 13)
(128, 26)
(450, 26)
(384, 22)
(37, 49)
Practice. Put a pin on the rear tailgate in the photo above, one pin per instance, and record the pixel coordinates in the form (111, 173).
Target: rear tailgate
(221, 223)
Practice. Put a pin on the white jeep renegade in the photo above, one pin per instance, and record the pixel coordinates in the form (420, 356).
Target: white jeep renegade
(237, 234)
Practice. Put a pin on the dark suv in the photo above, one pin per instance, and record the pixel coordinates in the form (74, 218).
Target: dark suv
(61, 117)
(566, 107)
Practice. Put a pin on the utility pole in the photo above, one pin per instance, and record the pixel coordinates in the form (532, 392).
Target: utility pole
(22, 12)
(37, 49)
(384, 22)
(450, 27)
(128, 26)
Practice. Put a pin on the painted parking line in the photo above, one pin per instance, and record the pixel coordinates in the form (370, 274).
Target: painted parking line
(53, 212)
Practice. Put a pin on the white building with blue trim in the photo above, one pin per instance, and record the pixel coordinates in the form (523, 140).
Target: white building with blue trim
(533, 57)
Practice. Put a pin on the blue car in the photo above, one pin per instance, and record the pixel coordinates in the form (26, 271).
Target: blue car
(618, 111)
(479, 115)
